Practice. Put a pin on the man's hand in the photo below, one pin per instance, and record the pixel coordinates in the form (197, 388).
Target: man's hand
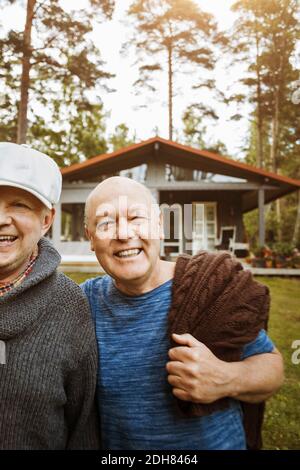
(195, 373)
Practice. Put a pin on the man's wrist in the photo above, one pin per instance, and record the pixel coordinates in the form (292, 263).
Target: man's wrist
(234, 376)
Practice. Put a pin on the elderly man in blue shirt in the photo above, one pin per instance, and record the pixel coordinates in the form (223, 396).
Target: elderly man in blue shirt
(139, 373)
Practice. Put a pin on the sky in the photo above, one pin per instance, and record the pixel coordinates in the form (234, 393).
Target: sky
(143, 114)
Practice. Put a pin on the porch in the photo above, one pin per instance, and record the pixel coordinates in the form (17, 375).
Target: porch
(193, 221)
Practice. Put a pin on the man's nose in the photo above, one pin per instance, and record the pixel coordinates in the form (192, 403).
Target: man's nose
(5, 217)
(122, 229)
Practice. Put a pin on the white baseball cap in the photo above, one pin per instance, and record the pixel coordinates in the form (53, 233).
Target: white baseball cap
(25, 168)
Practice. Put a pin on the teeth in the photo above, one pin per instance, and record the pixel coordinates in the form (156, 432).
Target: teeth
(126, 253)
(7, 238)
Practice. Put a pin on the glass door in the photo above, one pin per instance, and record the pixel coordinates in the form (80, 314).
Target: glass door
(204, 226)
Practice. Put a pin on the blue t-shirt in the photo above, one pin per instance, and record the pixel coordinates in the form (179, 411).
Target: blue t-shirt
(137, 408)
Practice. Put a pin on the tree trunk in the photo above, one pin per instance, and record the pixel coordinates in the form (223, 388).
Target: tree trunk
(170, 79)
(297, 223)
(25, 79)
(273, 154)
(274, 131)
(274, 144)
(278, 86)
(259, 157)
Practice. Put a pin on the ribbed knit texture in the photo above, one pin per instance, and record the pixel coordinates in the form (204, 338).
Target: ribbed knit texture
(222, 306)
(47, 386)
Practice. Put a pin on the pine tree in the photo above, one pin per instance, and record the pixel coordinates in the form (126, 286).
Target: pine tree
(168, 34)
(53, 52)
(266, 36)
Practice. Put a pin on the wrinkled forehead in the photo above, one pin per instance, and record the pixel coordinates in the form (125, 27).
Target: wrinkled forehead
(10, 193)
(122, 203)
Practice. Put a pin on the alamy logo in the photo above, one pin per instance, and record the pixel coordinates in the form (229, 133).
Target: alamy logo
(2, 352)
(296, 354)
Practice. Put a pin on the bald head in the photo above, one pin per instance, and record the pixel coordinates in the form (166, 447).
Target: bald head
(117, 186)
(125, 229)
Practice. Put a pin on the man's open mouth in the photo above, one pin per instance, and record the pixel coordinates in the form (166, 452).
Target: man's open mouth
(128, 253)
(6, 240)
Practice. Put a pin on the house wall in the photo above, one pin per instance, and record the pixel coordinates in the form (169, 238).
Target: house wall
(229, 207)
(229, 212)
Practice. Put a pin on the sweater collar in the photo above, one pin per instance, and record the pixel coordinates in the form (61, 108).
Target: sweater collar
(14, 316)
(6, 287)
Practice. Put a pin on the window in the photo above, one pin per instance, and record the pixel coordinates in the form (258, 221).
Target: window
(204, 226)
(72, 223)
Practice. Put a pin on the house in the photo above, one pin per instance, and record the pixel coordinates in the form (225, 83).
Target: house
(201, 194)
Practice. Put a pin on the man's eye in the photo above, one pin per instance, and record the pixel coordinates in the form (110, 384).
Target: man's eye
(21, 205)
(105, 225)
(139, 216)
(139, 219)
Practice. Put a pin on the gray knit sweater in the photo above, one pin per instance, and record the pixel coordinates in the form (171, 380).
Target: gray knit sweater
(47, 385)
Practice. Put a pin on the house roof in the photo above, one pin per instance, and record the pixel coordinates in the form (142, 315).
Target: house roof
(166, 151)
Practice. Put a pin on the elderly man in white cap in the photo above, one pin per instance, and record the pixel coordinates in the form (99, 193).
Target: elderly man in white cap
(48, 355)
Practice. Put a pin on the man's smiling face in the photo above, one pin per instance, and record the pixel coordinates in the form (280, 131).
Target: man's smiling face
(124, 228)
(23, 221)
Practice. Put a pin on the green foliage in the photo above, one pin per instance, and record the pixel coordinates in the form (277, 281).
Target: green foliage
(195, 131)
(77, 133)
(265, 38)
(259, 251)
(251, 144)
(65, 66)
(121, 138)
(287, 223)
(193, 128)
(251, 227)
(283, 248)
(79, 277)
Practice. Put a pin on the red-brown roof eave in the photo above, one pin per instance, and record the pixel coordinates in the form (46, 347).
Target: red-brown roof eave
(93, 161)
(74, 170)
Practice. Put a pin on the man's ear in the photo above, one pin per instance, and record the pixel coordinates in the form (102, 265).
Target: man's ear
(161, 227)
(48, 218)
(89, 237)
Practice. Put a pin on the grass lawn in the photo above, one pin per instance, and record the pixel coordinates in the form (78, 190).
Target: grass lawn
(282, 419)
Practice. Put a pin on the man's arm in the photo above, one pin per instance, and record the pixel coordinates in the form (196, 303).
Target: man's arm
(257, 378)
(197, 375)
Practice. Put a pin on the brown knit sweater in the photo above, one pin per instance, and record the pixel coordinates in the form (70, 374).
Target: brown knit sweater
(221, 305)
